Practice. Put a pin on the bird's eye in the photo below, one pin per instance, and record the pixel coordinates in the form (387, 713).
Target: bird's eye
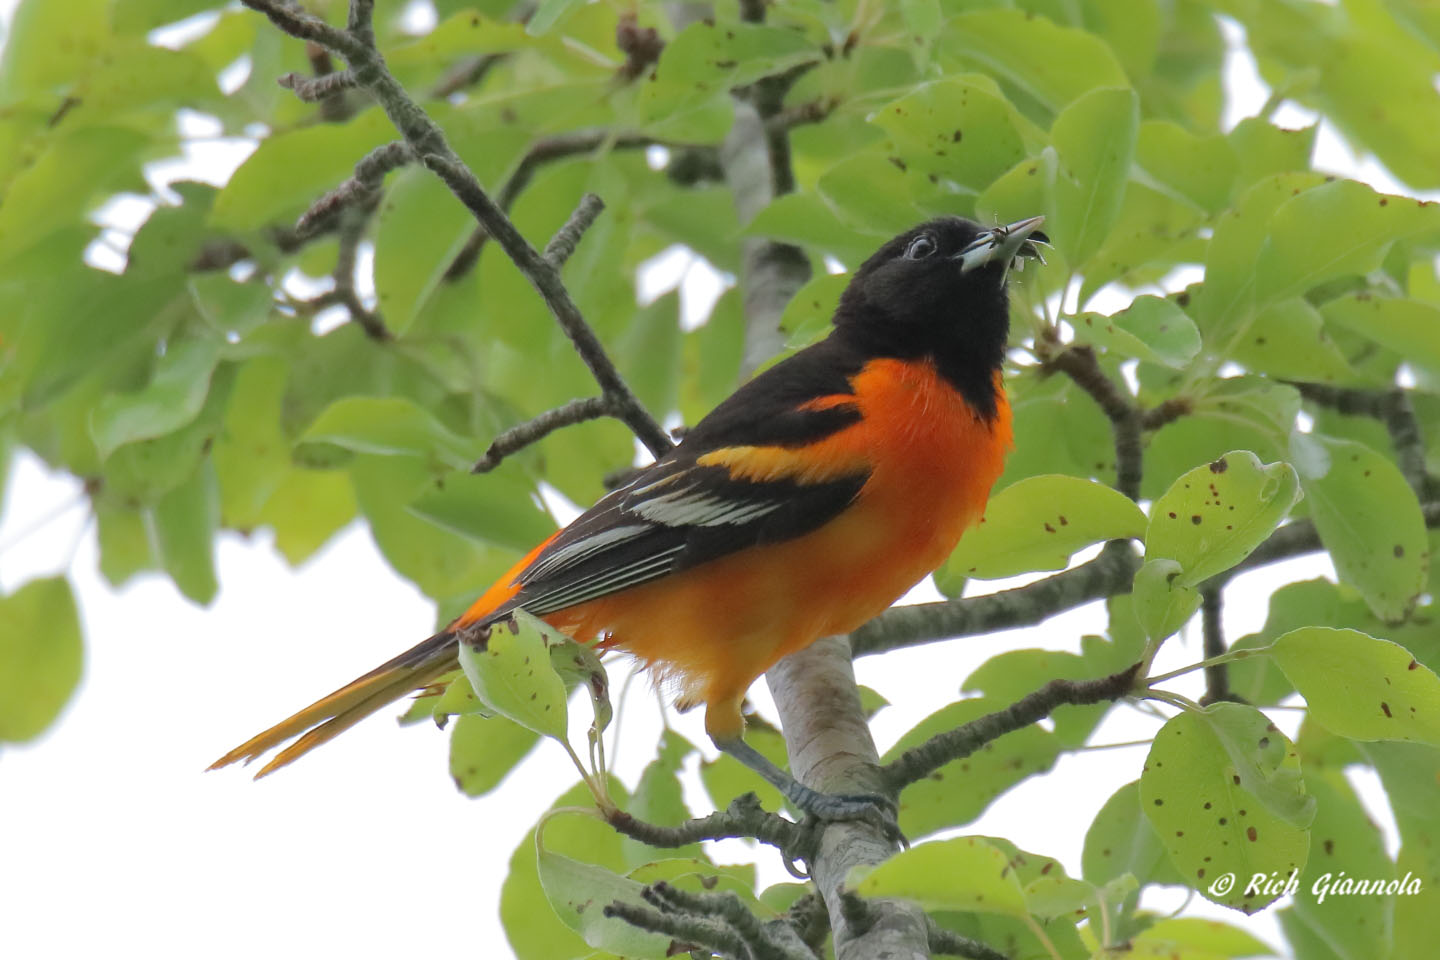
(920, 248)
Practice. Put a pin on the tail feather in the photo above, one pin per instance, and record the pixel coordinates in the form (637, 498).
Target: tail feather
(330, 716)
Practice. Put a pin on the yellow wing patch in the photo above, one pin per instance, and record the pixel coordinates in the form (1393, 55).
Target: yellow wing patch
(817, 463)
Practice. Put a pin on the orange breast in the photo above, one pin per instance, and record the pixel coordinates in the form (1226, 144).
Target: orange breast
(716, 627)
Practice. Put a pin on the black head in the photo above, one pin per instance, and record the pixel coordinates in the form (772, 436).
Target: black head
(939, 291)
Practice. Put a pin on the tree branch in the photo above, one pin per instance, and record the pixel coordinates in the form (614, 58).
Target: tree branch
(531, 431)
(1217, 676)
(1080, 364)
(1392, 408)
(919, 762)
(296, 22)
(1111, 572)
(425, 140)
(831, 750)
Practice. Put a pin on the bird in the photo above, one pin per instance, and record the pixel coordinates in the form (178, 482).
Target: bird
(803, 505)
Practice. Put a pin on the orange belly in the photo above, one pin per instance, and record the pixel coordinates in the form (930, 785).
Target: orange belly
(713, 629)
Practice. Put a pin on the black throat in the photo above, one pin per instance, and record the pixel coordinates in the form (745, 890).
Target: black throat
(966, 350)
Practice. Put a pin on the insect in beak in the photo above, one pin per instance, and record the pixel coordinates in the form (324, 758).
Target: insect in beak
(1011, 245)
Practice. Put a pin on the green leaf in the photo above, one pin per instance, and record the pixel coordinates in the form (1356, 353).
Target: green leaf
(1122, 841)
(965, 873)
(809, 314)
(1335, 229)
(1164, 602)
(1288, 341)
(441, 563)
(1151, 328)
(171, 399)
(1345, 841)
(1263, 150)
(870, 193)
(306, 509)
(1195, 792)
(579, 893)
(1369, 519)
(805, 219)
(688, 97)
(1197, 938)
(186, 520)
(513, 677)
(928, 130)
(497, 508)
(648, 355)
(392, 426)
(1227, 298)
(124, 535)
(1212, 517)
(539, 934)
(1037, 523)
(252, 455)
(1094, 138)
(962, 789)
(1359, 686)
(40, 657)
(1052, 64)
(1408, 327)
(659, 799)
(1199, 168)
(549, 13)
(420, 229)
(49, 44)
(483, 751)
(142, 16)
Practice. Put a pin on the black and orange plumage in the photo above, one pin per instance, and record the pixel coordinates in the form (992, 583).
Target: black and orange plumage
(800, 507)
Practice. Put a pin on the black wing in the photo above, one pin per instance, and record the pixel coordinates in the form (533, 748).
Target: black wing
(690, 506)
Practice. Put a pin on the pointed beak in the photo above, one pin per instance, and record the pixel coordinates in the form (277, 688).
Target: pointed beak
(1004, 244)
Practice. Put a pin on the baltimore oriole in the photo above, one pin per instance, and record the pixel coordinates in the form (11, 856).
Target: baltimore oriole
(800, 507)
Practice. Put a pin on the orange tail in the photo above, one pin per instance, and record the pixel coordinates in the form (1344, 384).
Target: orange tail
(417, 667)
(331, 716)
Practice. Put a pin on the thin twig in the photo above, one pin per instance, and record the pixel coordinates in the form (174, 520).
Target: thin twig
(563, 244)
(362, 188)
(531, 431)
(1081, 365)
(919, 762)
(775, 940)
(467, 73)
(688, 929)
(744, 817)
(1166, 412)
(541, 152)
(1217, 676)
(318, 89)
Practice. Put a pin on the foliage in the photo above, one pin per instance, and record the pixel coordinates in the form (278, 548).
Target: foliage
(195, 386)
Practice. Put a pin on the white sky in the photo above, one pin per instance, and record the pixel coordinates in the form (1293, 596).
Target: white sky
(114, 840)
